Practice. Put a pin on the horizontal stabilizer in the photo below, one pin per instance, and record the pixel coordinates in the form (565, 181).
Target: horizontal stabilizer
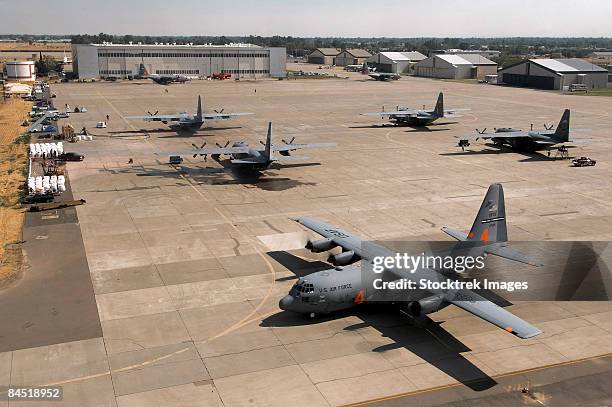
(455, 234)
(502, 250)
(247, 161)
(291, 158)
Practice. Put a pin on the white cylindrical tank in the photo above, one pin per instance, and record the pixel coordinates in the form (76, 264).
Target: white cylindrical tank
(20, 71)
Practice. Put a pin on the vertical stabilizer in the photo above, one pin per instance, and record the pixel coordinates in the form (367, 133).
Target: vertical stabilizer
(439, 110)
(562, 130)
(490, 223)
(268, 150)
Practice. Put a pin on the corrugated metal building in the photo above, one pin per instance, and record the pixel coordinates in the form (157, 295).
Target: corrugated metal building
(124, 60)
(448, 66)
(395, 62)
(352, 57)
(554, 74)
(323, 56)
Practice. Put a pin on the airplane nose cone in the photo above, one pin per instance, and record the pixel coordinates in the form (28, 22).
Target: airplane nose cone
(285, 303)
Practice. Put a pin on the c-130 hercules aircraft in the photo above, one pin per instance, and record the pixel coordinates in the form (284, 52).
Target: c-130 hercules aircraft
(341, 288)
(418, 117)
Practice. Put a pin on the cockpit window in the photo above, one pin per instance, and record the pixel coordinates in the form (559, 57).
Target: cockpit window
(302, 287)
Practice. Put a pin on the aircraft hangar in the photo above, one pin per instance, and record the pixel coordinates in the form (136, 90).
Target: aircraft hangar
(554, 74)
(126, 60)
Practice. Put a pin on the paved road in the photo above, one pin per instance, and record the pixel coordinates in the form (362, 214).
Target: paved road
(53, 302)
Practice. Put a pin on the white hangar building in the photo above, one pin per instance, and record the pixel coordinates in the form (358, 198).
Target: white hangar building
(395, 62)
(124, 60)
(450, 66)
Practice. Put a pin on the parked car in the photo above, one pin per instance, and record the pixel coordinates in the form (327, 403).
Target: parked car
(101, 125)
(175, 159)
(583, 162)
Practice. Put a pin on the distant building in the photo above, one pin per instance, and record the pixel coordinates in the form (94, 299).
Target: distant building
(323, 56)
(395, 62)
(450, 66)
(352, 57)
(554, 74)
(487, 53)
(601, 55)
(125, 60)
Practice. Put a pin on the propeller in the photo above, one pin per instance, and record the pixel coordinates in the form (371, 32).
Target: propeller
(548, 127)
(225, 146)
(153, 114)
(199, 148)
(481, 131)
(290, 141)
(219, 111)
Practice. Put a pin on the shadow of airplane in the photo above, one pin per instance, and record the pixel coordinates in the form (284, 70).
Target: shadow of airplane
(211, 176)
(432, 343)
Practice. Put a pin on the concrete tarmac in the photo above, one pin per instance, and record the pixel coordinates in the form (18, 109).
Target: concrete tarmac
(188, 262)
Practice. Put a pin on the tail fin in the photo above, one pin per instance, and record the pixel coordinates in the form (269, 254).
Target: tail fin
(364, 69)
(268, 150)
(490, 223)
(562, 130)
(439, 110)
(199, 112)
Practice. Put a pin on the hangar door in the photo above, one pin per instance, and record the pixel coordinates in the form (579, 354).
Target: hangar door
(529, 81)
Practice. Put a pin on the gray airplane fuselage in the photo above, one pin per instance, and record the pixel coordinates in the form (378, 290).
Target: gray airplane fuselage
(424, 118)
(342, 288)
(260, 162)
(527, 144)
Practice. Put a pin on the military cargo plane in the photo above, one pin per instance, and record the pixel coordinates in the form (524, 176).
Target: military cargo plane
(186, 120)
(418, 117)
(528, 141)
(340, 288)
(253, 159)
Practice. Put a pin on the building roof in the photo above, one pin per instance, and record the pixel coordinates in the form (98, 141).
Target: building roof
(173, 45)
(453, 59)
(568, 65)
(414, 55)
(328, 51)
(477, 59)
(603, 54)
(403, 56)
(358, 53)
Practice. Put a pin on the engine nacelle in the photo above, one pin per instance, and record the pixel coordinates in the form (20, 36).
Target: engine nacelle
(344, 258)
(318, 246)
(426, 305)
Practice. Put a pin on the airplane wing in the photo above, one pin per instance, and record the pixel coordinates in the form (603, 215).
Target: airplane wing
(156, 118)
(296, 146)
(212, 150)
(485, 309)
(340, 237)
(222, 116)
(395, 113)
(487, 136)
